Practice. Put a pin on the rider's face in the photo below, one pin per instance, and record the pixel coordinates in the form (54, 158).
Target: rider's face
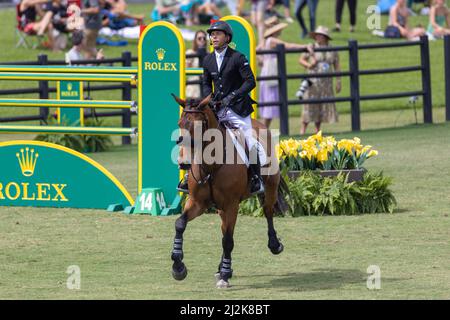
(218, 39)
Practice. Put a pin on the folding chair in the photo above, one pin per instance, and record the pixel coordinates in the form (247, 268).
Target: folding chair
(22, 36)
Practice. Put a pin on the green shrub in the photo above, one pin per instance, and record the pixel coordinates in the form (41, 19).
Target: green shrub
(75, 142)
(80, 143)
(96, 143)
(312, 194)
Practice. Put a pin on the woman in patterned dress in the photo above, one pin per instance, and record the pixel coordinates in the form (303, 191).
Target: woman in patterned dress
(268, 89)
(320, 62)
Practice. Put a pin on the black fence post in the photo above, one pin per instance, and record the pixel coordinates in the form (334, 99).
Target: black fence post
(201, 56)
(447, 76)
(426, 80)
(282, 89)
(43, 89)
(354, 85)
(126, 96)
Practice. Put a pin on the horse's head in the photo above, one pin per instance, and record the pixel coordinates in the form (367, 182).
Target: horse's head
(195, 113)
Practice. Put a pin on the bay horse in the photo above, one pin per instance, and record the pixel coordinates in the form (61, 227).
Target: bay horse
(223, 186)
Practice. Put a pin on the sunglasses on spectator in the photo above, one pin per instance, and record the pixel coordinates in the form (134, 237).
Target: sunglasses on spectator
(201, 38)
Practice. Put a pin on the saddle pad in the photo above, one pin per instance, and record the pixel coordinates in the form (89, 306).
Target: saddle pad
(241, 150)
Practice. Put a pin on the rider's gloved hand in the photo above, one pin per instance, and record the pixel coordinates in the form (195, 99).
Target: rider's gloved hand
(228, 99)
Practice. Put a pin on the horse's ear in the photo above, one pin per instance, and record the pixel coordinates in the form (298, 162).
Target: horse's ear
(181, 102)
(204, 102)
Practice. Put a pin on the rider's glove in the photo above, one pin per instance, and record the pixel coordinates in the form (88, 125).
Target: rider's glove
(228, 99)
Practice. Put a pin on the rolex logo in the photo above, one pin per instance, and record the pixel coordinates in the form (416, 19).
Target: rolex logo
(69, 86)
(27, 161)
(160, 53)
(232, 45)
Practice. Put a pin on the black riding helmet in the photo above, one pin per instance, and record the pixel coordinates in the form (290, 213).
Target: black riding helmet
(221, 26)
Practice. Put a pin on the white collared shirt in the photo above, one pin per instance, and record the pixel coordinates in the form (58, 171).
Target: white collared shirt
(219, 57)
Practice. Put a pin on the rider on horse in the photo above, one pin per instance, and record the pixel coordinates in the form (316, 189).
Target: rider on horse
(233, 79)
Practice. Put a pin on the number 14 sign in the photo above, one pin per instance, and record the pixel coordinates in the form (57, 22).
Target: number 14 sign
(150, 201)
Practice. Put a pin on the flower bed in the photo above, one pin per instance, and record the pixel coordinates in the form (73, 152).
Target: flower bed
(322, 153)
(317, 173)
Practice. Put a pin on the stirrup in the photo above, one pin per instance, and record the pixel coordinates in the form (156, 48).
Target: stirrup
(183, 187)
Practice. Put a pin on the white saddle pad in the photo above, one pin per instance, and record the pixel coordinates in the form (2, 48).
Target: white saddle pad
(241, 151)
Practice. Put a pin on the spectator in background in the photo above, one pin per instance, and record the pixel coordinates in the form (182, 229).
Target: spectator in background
(92, 25)
(166, 10)
(398, 23)
(59, 17)
(232, 5)
(286, 5)
(198, 47)
(58, 8)
(312, 6)
(206, 8)
(257, 19)
(115, 16)
(268, 90)
(439, 24)
(320, 62)
(29, 12)
(118, 11)
(76, 52)
(339, 8)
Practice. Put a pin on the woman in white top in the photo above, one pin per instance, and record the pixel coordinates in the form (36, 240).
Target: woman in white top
(198, 44)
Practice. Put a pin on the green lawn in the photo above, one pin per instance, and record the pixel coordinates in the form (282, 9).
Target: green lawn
(128, 257)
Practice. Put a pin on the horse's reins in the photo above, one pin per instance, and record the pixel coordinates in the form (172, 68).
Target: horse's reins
(208, 177)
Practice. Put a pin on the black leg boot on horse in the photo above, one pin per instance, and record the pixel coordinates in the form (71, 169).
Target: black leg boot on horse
(225, 272)
(179, 270)
(217, 275)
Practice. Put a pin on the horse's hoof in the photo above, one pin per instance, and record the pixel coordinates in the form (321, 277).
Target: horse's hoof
(222, 284)
(217, 275)
(180, 275)
(277, 250)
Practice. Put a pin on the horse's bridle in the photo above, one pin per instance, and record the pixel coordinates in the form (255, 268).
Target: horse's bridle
(205, 124)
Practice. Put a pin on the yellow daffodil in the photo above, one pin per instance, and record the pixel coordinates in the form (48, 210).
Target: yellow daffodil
(317, 137)
(372, 153)
(362, 150)
(322, 155)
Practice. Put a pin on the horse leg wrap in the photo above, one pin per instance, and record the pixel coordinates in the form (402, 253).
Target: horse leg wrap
(225, 270)
(180, 226)
(177, 252)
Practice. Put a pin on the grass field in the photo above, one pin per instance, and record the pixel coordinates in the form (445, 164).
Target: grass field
(128, 256)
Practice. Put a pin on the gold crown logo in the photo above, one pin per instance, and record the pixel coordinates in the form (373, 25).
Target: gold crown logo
(27, 161)
(160, 53)
(69, 86)
(232, 45)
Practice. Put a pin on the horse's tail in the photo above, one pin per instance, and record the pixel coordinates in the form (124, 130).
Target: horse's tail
(282, 206)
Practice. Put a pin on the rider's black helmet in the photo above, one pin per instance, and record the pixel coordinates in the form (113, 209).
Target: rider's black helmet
(221, 26)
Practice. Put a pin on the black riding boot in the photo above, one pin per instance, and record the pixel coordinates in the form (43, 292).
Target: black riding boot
(256, 183)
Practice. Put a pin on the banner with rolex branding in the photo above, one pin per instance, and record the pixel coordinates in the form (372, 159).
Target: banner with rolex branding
(41, 174)
(161, 63)
(70, 90)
